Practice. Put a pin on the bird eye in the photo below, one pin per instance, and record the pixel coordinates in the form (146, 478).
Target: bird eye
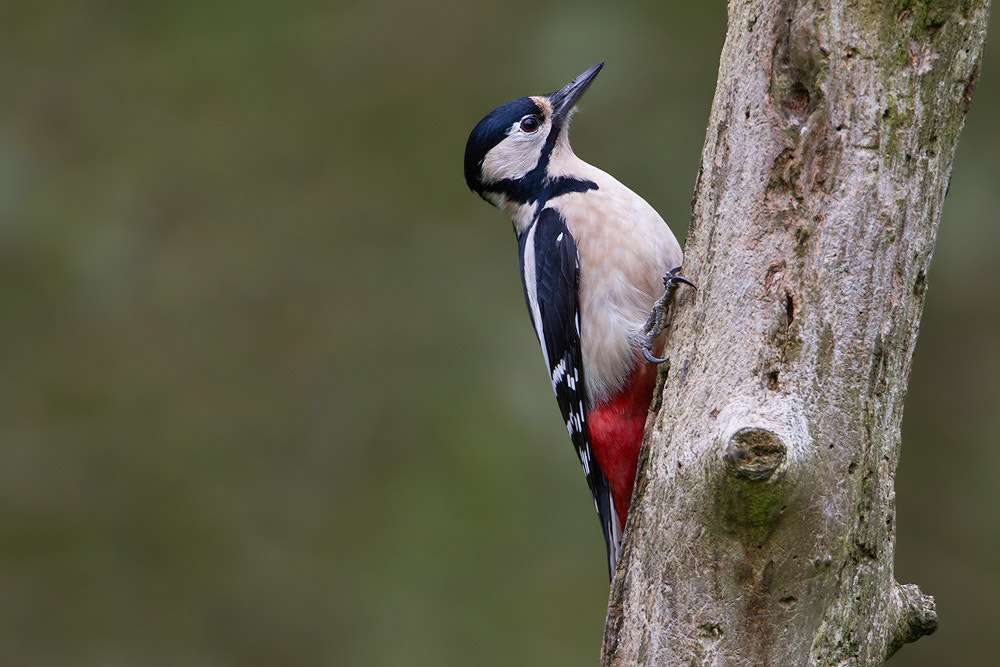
(529, 124)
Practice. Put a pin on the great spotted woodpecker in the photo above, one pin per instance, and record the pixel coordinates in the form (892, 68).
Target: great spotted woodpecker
(593, 255)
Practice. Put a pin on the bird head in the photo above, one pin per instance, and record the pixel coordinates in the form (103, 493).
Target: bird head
(509, 151)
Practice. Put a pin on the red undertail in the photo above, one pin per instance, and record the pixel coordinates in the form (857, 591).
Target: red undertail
(616, 427)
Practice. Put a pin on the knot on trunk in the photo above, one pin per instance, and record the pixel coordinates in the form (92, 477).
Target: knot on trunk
(752, 491)
(917, 616)
(757, 454)
(759, 442)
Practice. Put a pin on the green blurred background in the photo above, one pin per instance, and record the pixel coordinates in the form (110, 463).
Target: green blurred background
(268, 392)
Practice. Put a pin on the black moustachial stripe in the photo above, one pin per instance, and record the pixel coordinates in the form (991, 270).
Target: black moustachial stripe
(535, 186)
(532, 187)
(557, 279)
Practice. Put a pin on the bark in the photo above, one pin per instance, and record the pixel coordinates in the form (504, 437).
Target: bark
(763, 523)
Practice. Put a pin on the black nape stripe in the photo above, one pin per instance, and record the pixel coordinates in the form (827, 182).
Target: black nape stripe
(535, 186)
(530, 189)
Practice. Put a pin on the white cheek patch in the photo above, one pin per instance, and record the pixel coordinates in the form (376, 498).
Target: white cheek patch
(515, 156)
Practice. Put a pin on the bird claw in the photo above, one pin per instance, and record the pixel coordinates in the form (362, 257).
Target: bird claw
(658, 314)
(671, 281)
(649, 356)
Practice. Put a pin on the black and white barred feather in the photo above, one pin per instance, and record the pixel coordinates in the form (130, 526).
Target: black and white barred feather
(550, 274)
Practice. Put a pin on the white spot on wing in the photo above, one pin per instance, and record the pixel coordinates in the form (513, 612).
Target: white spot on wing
(559, 372)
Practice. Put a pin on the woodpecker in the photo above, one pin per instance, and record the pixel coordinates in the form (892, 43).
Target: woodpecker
(595, 259)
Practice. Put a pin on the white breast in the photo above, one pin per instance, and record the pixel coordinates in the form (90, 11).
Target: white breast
(625, 247)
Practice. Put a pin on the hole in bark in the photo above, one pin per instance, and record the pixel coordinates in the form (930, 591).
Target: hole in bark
(711, 629)
(746, 114)
(789, 307)
(796, 101)
(772, 381)
(851, 468)
(788, 601)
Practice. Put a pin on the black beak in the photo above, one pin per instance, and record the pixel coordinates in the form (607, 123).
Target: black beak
(564, 100)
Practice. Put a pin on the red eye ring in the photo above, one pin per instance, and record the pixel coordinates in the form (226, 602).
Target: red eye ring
(530, 124)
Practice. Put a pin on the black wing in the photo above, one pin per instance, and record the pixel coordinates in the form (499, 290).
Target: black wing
(550, 274)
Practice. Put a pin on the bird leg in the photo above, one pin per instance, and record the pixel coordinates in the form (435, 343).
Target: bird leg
(658, 316)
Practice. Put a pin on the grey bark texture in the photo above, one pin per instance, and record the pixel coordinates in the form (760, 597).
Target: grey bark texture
(763, 523)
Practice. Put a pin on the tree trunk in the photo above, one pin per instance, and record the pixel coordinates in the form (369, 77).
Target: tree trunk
(763, 524)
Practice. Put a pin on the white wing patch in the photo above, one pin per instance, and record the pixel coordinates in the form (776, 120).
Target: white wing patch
(585, 460)
(530, 289)
(559, 372)
(577, 416)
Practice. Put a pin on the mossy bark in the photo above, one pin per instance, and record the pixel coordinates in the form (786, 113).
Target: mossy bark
(762, 530)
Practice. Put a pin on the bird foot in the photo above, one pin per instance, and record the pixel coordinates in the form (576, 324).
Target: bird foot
(658, 316)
